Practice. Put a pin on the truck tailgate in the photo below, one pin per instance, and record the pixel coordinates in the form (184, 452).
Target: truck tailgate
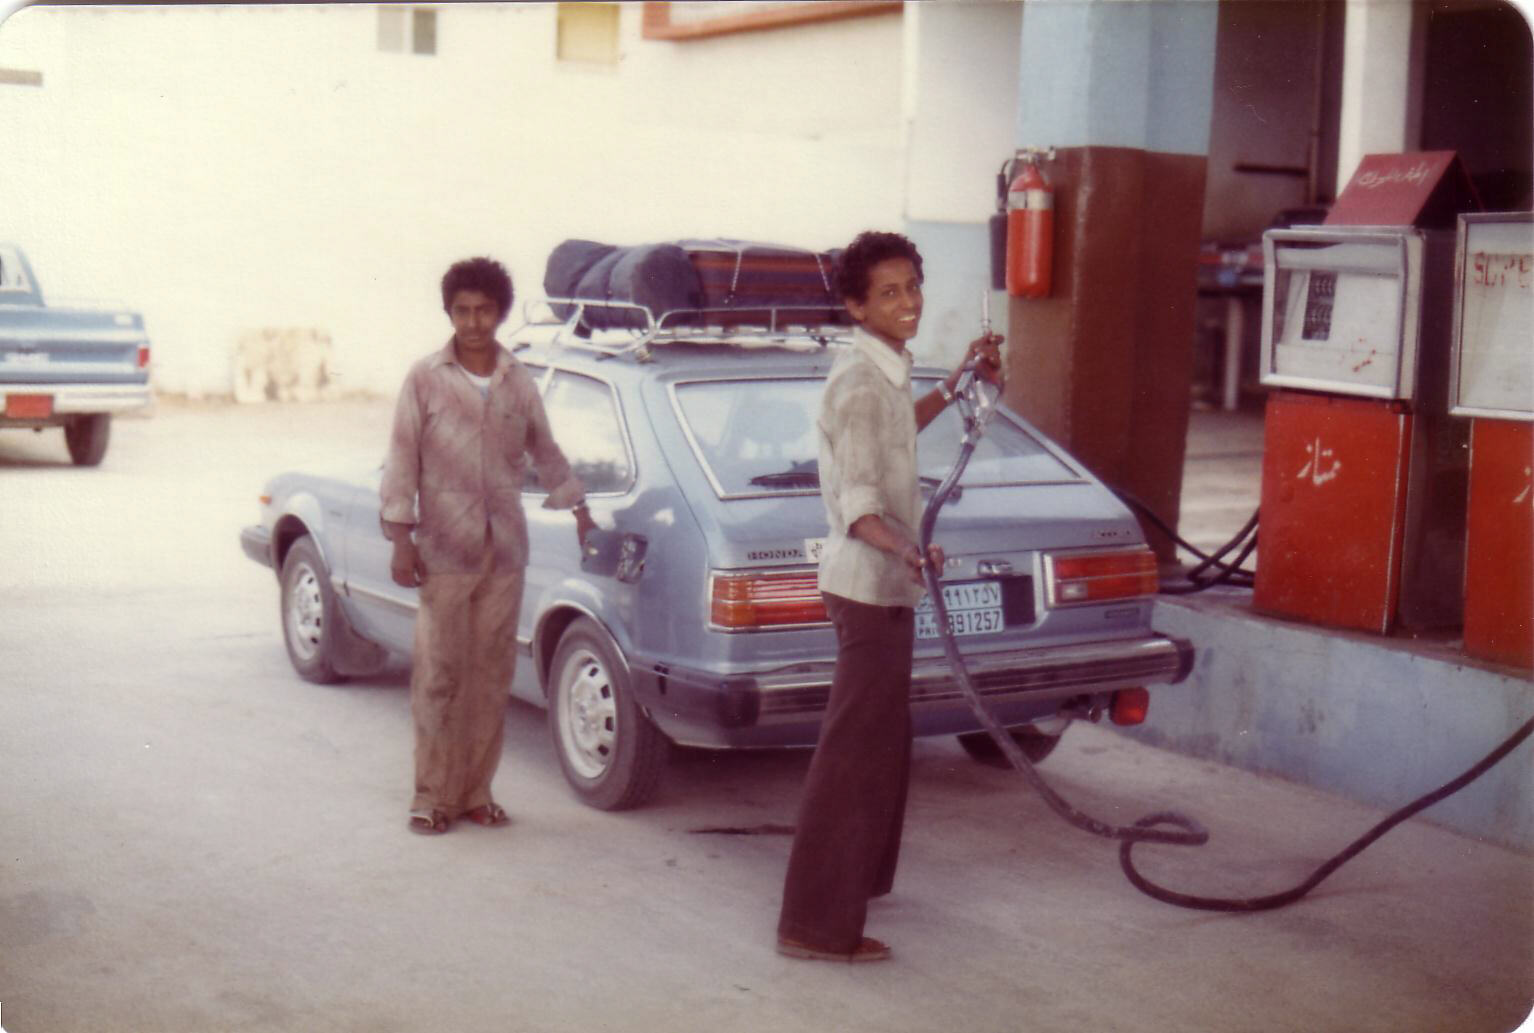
(41, 346)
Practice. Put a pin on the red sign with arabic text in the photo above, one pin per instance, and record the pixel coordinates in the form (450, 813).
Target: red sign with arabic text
(1333, 510)
(1426, 189)
(1499, 557)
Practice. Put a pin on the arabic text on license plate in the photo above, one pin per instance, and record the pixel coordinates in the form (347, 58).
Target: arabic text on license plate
(29, 407)
(974, 608)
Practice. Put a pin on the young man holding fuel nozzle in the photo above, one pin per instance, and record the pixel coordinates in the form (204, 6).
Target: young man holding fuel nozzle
(853, 805)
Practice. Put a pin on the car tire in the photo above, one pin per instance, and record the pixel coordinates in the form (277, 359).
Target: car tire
(1035, 744)
(611, 754)
(87, 438)
(311, 617)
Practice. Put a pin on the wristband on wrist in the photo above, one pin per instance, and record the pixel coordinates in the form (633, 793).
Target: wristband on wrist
(943, 389)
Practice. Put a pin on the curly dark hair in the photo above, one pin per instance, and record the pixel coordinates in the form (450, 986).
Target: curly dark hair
(867, 250)
(485, 275)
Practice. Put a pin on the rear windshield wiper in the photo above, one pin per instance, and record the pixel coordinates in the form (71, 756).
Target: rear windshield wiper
(809, 477)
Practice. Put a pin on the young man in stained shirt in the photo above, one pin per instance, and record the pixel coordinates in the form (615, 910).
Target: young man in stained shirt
(853, 805)
(468, 421)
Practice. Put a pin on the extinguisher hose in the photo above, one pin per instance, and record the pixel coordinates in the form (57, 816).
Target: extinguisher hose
(1168, 827)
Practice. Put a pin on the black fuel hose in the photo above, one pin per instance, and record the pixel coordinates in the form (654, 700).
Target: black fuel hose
(1354, 849)
(1183, 831)
(1229, 573)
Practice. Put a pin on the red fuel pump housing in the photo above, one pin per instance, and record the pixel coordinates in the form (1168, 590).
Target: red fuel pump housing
(1030, 233)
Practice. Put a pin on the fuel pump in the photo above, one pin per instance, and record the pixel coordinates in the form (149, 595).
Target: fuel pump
(1492, 377)
(1364, 474)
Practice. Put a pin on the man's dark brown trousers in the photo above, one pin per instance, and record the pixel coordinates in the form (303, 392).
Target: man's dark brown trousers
(853, 807)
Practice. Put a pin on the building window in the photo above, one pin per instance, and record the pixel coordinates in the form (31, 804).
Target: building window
(404, 29)
(588, 32)
(423, 34)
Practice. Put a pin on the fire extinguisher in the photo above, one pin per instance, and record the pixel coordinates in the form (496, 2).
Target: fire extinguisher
(1030, 231)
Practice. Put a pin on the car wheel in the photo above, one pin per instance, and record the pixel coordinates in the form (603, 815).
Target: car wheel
(311, 617)
(611, 754)
(1036, 744)
(87, 437)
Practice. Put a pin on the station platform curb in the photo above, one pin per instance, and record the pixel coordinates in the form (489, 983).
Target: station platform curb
(1378, 720)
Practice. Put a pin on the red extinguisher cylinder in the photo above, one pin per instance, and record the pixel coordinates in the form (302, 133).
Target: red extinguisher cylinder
(1030, 234)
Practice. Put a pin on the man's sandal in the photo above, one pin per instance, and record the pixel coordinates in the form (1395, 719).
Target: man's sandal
(428, 823)
(868, 949)
(490, 815)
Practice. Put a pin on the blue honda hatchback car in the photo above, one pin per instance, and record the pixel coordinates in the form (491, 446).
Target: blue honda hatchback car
(694, 619)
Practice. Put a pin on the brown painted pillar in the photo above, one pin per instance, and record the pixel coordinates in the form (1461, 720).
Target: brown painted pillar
(1123, 93)
(1104, 364)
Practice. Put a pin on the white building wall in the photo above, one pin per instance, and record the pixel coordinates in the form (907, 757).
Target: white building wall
(225, 169)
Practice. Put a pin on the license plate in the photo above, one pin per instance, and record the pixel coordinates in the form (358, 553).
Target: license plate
(29, 407)
(974, 608)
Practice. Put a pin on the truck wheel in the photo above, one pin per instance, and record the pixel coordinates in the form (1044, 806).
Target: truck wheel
(311, 617)
(1035, 743)
(87, 438)
(611, 754)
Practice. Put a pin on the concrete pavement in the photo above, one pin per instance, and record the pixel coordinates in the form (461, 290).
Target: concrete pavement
(191, 839)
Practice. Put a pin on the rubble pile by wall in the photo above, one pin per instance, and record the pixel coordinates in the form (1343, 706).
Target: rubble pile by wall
(290, 364)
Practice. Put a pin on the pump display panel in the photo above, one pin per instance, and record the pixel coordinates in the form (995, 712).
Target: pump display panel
(1493, 369)
(1340, 310)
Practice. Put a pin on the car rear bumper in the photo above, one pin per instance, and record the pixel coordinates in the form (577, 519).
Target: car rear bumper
(783, 707)
(78, 399)
(257, 543)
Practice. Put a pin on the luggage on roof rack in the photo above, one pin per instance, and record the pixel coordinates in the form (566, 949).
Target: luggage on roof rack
(657, 276)
(696, 283)
(749, 279)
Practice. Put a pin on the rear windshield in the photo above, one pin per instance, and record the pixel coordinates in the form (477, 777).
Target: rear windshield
(757, 437)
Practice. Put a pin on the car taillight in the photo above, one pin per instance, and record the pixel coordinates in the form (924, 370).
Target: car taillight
(1077, 578)
(143, 356)
(739, 601)
(1130, 706)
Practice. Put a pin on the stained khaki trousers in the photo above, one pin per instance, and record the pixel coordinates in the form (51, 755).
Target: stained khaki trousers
(465, 654)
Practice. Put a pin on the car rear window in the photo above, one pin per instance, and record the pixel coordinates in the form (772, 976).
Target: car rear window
(757, 437)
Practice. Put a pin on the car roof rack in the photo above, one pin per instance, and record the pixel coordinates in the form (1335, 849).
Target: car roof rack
(625, 328)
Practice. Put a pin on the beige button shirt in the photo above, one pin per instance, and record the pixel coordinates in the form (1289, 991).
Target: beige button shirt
(457, 459)
(867, 435)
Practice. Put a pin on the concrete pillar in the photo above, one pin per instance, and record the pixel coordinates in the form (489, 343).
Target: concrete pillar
(1381, 84)
(1124, 93)
(959, 114)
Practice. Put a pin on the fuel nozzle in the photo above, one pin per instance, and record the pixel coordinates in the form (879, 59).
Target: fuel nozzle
(614, 554)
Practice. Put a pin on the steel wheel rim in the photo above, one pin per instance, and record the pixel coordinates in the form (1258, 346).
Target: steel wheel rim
(588, 714)
(305, 612)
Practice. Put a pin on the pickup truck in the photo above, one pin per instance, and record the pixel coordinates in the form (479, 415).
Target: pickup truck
(70, 366)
